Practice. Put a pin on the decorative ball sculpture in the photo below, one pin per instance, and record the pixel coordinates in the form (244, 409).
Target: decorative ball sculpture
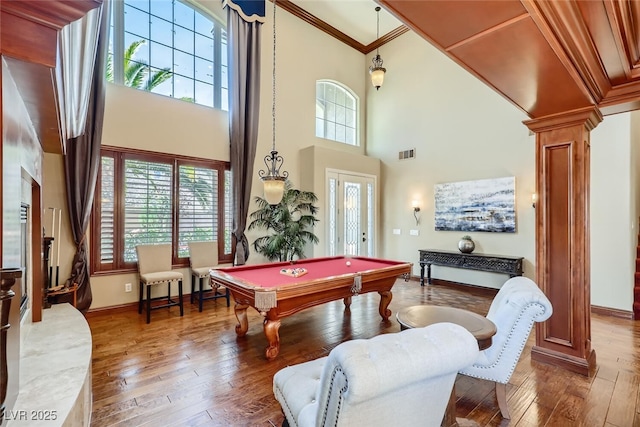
(466, 245)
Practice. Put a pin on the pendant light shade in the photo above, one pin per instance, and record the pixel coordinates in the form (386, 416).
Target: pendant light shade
(272, 181)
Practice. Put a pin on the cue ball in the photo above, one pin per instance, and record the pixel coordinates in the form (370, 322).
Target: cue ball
(348, 263)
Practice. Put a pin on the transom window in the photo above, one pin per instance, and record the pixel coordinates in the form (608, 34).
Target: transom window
(336, 112)
(169, 48)
(152, 198)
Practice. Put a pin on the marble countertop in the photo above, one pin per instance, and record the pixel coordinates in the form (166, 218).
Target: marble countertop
(55, 369)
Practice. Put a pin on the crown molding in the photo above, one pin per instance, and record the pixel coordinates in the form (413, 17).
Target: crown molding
(385, 39)
(309, 18)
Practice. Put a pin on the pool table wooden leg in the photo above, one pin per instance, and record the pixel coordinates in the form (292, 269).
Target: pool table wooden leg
(385, 300)
(271, 328)
(347, 302)
(243, 323)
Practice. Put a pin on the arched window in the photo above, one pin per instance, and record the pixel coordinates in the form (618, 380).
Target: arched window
(170, 48)
(336, 112)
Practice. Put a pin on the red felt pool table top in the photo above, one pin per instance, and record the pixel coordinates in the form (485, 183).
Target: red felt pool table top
(270, 276)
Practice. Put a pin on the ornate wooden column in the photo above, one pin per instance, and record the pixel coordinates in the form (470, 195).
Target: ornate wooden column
(562, 237)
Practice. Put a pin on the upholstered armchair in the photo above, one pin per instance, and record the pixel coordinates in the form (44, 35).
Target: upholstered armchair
(397, 379)
(516, 306)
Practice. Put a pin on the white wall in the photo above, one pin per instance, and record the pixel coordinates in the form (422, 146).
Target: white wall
(613, 222)
(461, 130)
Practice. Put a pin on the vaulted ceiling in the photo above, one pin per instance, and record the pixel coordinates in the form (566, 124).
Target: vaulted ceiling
(546, 57)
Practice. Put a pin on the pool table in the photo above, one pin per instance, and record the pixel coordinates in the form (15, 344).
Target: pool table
(276, 295)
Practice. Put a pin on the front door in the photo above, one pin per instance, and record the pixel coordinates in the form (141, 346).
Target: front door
(351, 214)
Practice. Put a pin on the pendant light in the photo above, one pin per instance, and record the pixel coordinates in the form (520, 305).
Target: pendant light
(272, 180)
(377, 70)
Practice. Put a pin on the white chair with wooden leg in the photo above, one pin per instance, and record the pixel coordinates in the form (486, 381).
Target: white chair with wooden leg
(154, 267)
(398, 379)
(516, 306)
(203, 256)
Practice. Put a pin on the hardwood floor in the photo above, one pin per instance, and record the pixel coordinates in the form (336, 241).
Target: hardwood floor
(194, 371)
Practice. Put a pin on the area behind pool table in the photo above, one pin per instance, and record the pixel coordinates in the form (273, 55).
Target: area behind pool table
(277, 295)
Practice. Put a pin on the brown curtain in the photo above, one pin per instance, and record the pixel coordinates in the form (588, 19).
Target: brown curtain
(243, 48)
(81, 165)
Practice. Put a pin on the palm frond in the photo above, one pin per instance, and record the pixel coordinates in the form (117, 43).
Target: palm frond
(132, 49)
(288, 223)
(135, 75)
(157, 78)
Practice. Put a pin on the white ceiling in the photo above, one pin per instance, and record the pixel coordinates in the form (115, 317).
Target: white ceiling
(355, 18)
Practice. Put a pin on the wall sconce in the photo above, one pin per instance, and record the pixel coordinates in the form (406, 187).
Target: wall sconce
(416, 209)
(534, 199)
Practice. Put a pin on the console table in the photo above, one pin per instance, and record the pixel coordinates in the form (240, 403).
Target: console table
(510, 265)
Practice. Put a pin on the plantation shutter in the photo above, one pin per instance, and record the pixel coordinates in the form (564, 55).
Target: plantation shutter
(147, 205)
(228, 214)
(107, 205)
(198, 208)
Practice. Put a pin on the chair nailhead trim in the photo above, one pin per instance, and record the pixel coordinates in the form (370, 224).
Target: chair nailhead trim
(341, 394)
(509, 337)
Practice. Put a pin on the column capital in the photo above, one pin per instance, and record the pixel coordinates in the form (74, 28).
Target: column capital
(589, 117)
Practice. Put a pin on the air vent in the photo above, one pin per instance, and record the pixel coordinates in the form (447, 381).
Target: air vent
(407, 154)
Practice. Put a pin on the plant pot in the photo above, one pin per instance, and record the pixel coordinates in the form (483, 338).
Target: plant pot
(466, 246)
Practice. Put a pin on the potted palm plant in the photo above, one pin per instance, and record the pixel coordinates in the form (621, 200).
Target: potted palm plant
(288, 224)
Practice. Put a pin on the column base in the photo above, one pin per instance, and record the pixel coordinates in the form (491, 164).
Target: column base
(579, 365)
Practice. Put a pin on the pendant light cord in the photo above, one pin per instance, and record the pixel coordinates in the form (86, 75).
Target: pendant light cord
(377, 30)
(273, 105)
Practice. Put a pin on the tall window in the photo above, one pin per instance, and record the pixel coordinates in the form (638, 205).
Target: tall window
(170, 48)
(150, 198)
(336, 113)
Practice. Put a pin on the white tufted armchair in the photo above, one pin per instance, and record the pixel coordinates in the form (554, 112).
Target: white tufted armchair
(402, 379)
(517, 305)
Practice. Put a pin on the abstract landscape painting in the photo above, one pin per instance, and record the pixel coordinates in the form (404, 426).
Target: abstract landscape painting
(481, 205)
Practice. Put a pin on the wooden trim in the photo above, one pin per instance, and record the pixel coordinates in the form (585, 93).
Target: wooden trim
(385, 39)
(130, 306)
(53, 14)
(623, 33)
(549, 33)
(589, 116)
(602, 311)
(154, 155)
(451, 284)
(37, 240)
(120, 155)
(612, 312)
(567, 33)
(584, 366)
(307, 17)
(28, 41)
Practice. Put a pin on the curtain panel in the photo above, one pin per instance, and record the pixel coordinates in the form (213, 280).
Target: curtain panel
(244, 23)
(77, 44)
(82, 162)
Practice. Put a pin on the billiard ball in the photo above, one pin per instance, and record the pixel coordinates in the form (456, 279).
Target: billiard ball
(348, 263)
